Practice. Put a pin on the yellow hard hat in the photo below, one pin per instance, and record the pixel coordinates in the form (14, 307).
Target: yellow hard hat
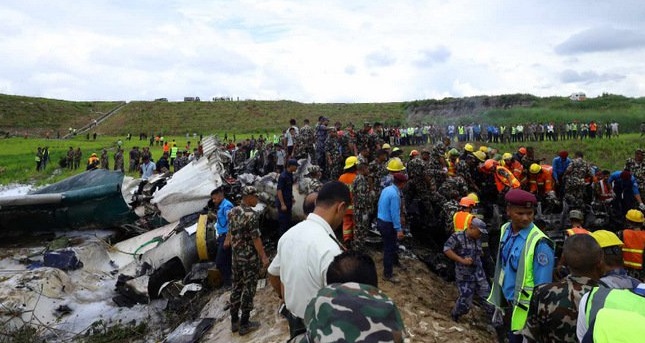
(350, 162)
(535, 168)
(480, 156)
(395, 165)
(93, 154)
(474, 196)
(385, 146)
(606, 238)
(483, 148)
(507, 156)
(635, 216)
(414, 153)
(469, 147)
(396, 148)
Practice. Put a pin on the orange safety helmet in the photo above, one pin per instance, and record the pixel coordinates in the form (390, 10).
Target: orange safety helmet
(467, 202)
(522, 150)
(490, 164)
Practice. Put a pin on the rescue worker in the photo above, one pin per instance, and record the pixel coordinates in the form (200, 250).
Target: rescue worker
(515, 167)
(637, 166)
(560, 164)
(333, 155)
(553, 311)
(105, 160)
(453, 159)
(461, 219)
(603, 190)
(468, 149)
(612, 315)
(576, 177)
(540, 180)
(525, 259)
(93, 162)
(634, 243)
(504, 179)
(348, 178)
(577, 218)
(615, 275)
(312, 180)
(218, 208)
(363, 198)
(626, 190)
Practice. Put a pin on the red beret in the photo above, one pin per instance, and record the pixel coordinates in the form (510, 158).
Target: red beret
(518, 197)
(401, 177)
(563, 154)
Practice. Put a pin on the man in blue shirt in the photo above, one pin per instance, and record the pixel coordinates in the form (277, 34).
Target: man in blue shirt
(284, 197)
(147, 168)
(218, 208)
(520, 240)
(389, 224)
(560, 164)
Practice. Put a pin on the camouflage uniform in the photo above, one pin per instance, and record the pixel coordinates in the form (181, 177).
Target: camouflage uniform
(118, 161)
(321, 137)
(377, 172)
(465, 171)
(332, 147)
(418, 186)
(638, 171)
(352, 312)
(470, 279)
(305, 143)
(244, 227)
(347, 141)
(70, 158)
(105, 161)
(363, 203)
(240, 157)
(574, 184)
(312, 185)
(77, 158)
(553, 310)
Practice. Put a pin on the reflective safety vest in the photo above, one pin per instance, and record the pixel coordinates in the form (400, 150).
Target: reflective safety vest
(452, 168)
(634, 243)
(461, 220)
(173, 152)
(524, 279)
(576, 231)
(517, 169)
(348, 179)
(543, 181)
(614, 315)
(504, 178)
(605, 190)
(462, 130)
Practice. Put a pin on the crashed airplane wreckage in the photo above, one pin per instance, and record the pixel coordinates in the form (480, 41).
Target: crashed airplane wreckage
(100, 199)
(164, 261)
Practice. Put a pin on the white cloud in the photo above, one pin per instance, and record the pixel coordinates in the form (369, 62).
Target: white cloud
(314, 51)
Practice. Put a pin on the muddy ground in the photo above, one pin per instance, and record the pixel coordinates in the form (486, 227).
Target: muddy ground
(424, 299)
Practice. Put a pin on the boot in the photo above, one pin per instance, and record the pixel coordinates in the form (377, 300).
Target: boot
(248, 327)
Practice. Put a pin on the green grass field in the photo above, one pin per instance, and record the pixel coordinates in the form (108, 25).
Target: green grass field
(17, 160)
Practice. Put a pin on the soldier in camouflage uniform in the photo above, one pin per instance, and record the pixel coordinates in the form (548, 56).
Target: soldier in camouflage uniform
(248, 252)
(363, 204)
(466, 169)
(321, 136)
(352, 312)
(465, 249)
(105, 160)
(451, 190)
(574, 181)
(419, 184)
(304, 145)
(553, 310)
(348, 142)
(118, 160)
(377, 171)
(77, 157)
(637, 167)
(333, 155)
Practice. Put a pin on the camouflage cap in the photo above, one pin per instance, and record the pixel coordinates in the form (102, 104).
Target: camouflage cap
(352, 312)
(249, 190)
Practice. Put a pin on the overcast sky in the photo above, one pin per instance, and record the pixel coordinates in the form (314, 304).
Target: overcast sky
(320, 51)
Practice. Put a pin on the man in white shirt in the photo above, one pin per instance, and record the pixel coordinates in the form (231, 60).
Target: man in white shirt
(305, 251)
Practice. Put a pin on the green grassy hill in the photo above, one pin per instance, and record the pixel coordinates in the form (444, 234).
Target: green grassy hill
(36, 116)
(21, 115)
